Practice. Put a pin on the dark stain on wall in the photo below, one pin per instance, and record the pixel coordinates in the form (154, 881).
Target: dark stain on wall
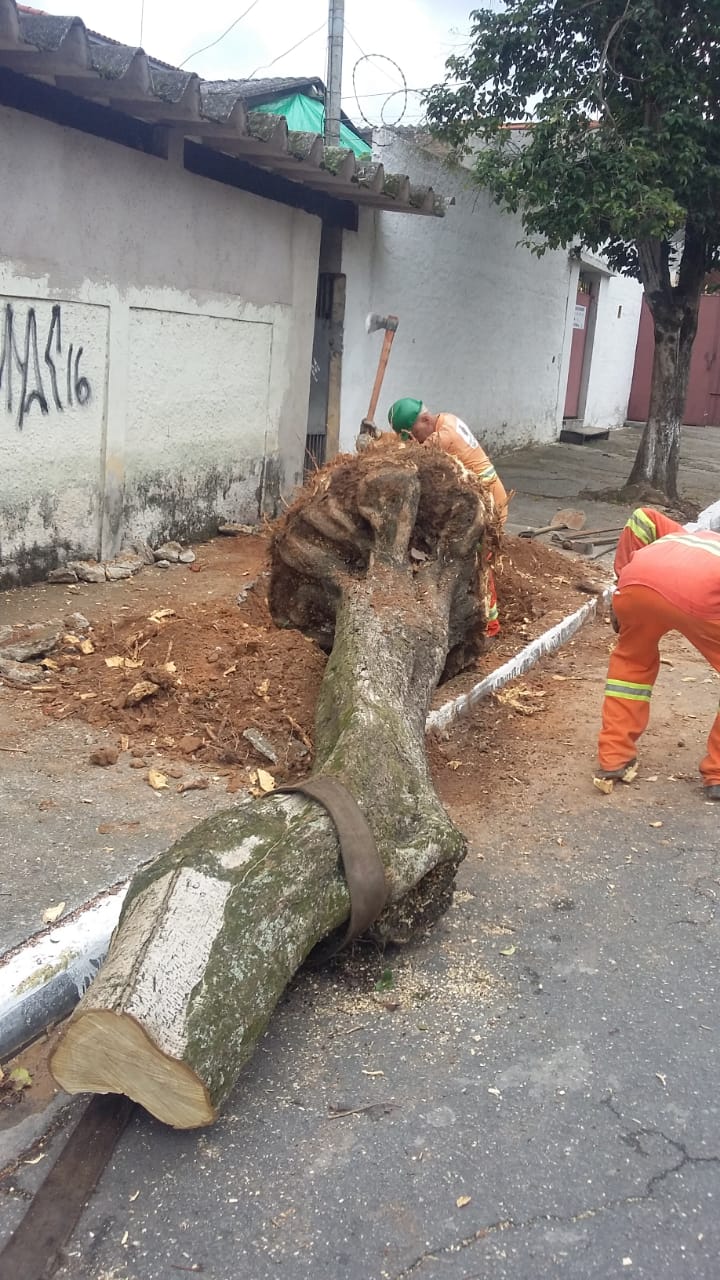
(171, 505)
(32, 564)
(269, 491)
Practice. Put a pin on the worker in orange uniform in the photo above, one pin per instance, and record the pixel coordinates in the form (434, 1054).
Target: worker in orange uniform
(671, 583)
(409, 417)
(644, 526)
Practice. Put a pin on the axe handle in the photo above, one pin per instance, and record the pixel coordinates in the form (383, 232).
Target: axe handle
(382, 366)
(590, 533)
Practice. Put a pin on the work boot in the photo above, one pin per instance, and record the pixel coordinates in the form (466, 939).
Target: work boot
(605, 779)
(712, 792)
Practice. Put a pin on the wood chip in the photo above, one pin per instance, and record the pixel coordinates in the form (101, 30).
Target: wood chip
(143, 689)
(53, 913)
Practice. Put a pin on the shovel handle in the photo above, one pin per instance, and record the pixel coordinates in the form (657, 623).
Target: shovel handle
(382, 365)
(535, 533)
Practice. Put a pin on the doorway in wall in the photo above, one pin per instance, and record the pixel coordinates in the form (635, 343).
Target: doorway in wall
(323, 423)
(583, 316)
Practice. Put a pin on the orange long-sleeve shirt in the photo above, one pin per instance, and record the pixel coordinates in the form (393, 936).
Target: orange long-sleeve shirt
(684, 568)
(645, 525)
(455, 437)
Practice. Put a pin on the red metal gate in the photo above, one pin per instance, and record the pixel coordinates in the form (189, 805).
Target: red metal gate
(577, 354)
(702, 404)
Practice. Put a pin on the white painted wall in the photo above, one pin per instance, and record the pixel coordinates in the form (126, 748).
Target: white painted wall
(485, 326)
(192, 307)
(482, 322)
(613, 352)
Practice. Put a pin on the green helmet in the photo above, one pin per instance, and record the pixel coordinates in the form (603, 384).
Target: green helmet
(403, 415)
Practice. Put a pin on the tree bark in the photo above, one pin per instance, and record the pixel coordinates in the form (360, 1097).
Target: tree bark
(674, 310)
(213, 930)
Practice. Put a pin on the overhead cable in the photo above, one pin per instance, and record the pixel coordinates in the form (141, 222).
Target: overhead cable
(266, 66)
(221, 37)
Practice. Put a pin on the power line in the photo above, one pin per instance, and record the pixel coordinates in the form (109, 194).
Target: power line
(266, 66)
(361, 51)
(222, 37)
(348, 97)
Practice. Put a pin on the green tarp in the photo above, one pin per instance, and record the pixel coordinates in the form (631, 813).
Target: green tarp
(307, 115)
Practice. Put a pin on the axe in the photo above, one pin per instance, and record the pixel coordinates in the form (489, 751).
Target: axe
(368, 430)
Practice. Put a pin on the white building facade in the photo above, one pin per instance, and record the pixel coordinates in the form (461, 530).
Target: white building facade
(183, 292)
(486, 327)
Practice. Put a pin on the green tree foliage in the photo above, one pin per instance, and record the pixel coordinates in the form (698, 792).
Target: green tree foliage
(621, 154)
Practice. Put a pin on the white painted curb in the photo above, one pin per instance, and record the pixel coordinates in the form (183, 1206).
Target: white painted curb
(42, 981)
(548, 642)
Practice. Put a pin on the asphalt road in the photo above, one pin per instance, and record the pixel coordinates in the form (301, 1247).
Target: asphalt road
(569, 1090)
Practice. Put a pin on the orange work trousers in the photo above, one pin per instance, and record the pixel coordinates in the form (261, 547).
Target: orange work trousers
(491, 606)
(645, 617)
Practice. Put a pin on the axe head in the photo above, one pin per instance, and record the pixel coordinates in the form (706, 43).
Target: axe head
(375, 322)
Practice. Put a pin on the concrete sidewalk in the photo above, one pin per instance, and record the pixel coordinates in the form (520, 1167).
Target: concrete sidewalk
(558, 475)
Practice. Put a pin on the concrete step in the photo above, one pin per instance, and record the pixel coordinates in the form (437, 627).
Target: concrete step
(574, 432)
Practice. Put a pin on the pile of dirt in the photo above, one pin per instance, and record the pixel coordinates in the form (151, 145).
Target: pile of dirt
(190, 677)
(533, 580)
(191, 680)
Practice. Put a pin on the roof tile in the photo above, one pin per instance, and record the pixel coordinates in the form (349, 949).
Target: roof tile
(218, 112)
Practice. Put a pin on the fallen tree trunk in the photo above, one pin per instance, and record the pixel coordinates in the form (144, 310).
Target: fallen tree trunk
(213, 930)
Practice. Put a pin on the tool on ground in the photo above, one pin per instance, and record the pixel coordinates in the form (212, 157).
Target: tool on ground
(604, 551)
(586, 533)
(568, 518)
(368, 430)
(589, 548)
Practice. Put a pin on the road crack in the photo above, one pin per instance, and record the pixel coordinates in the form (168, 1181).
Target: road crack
(632, 1138)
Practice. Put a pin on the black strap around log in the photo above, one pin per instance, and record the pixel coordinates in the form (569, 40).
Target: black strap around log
(362, 864)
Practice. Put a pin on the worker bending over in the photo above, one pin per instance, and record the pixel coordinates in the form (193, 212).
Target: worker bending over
(644, 526)
(410, 417)
(668, 580)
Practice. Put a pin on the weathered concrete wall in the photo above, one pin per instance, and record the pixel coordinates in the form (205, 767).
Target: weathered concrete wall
(485, 326)
(156, 347)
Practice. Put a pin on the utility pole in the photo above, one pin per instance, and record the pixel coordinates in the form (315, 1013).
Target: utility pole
(336, 23)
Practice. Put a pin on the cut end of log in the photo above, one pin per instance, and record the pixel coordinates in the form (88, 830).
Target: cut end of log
(105, 1052)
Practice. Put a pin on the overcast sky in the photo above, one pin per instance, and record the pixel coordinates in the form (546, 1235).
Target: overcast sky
(418, 34)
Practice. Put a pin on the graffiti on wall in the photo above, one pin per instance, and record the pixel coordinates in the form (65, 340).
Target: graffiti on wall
(36, 371)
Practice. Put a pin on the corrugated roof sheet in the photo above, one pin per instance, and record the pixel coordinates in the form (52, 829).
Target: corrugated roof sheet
(217, 113)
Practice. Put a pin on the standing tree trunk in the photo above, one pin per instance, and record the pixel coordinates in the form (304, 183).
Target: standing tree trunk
(379, 552)
(675, 317)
